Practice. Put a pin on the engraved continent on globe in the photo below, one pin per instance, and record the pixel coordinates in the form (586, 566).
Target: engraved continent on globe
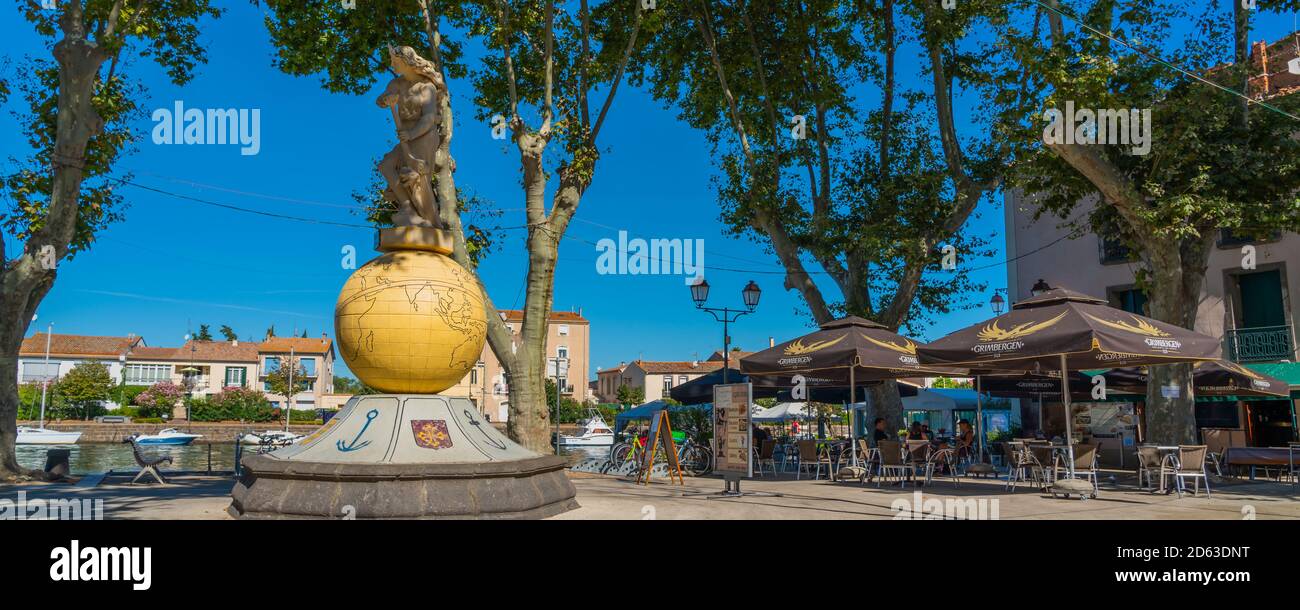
(410, 322)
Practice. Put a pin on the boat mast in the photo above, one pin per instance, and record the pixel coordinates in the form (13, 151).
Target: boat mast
(46, 384)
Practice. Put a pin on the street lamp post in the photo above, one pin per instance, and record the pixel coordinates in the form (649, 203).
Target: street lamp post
(560, 371)
(750, 293)
(998, 303)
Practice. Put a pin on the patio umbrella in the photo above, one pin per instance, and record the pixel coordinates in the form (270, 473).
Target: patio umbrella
(850, 349)
(700, 389)
(1210, 378)
(1066, 330)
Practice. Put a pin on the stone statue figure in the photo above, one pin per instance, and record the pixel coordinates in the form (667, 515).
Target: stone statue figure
(413, 98)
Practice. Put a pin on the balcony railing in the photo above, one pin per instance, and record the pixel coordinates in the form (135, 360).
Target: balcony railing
(1263, 344)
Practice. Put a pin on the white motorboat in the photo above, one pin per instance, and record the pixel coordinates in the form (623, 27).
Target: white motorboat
(45, 436)
(595, 433)
(270, 437)
(170, 436)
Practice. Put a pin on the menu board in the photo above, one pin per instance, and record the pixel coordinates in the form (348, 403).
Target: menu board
(732, 434)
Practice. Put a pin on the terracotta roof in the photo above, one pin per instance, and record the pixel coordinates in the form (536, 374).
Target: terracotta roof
(77, 345)
(152, 353)
(218, 351)
(735, 356)
(300, 345)
(685, 366)
(517, 315)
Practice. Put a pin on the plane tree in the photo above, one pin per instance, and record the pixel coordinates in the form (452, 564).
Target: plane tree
(1211, 161)
(858, 174)
(76, 111)
(547, 77)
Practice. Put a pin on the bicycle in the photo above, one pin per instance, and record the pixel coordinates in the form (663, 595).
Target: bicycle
(694, 458)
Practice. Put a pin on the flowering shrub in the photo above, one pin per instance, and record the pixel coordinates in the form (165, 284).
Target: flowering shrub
(233, 403)
(159, 399)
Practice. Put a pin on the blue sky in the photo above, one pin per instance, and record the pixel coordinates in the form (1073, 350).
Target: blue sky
(173, 264)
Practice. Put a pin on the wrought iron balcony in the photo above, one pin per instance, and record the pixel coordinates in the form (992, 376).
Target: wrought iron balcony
(1263, 344)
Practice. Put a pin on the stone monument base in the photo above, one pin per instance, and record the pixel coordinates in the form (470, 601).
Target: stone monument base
(394, 456)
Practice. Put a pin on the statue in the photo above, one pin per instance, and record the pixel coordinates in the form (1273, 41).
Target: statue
(410, 323)
(413, 98)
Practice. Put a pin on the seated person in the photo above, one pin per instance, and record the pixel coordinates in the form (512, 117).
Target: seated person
(879, 433)
(917, 432)
(965, 438)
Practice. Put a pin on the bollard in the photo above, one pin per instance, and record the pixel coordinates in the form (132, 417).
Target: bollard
(56, 463)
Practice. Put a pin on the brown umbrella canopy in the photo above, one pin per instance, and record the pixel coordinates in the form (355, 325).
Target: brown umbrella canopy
(1088, 332)
(873, 351)
(1213, 378)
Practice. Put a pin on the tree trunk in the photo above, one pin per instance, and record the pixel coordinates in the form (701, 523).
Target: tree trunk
(886, 403)
(24, 281)
(530, 416)
(1177, 272)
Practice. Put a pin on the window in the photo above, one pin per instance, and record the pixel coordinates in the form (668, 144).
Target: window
(668, 382)
(147, 374)
(236, 376)
(1131, 300)
(681, 379)
(270, 364)
(564, 330)
(562, 352)
(1113, 251)
(1229, 239)
(308, 366)
(473, 376)
(40, 371)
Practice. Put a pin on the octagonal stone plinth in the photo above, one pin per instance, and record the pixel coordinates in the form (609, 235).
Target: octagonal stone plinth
(403, 457)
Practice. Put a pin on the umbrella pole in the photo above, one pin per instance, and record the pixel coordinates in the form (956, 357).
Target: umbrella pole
(1069, 424)
(853, 442)
(979, 418)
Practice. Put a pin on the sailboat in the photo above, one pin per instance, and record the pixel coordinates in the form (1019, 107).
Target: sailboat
(40, 435)
(44, 436)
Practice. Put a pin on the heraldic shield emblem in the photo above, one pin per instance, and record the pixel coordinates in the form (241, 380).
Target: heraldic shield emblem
(431, 433)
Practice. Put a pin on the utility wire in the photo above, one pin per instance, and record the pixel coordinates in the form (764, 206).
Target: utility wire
(1153, 57)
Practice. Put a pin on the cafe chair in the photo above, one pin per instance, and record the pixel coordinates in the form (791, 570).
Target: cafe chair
(948, 460)
(1149, 463)
(1293, 462)
(810, 458)
(891, 460)
(1024, 467)
(918, 453)
(1188, 463)
(765, 453)
(870, 460)
(1085, 464)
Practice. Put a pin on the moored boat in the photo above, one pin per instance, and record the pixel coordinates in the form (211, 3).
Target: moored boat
(44, 436)
(595, 432)
(169, 436)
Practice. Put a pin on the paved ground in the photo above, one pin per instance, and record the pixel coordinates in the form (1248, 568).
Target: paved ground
(611, 498)
(602, 497)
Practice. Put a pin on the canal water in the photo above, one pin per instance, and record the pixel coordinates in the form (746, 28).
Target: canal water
(102, 457)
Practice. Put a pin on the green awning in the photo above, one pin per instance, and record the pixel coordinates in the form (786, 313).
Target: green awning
(1286, 371)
